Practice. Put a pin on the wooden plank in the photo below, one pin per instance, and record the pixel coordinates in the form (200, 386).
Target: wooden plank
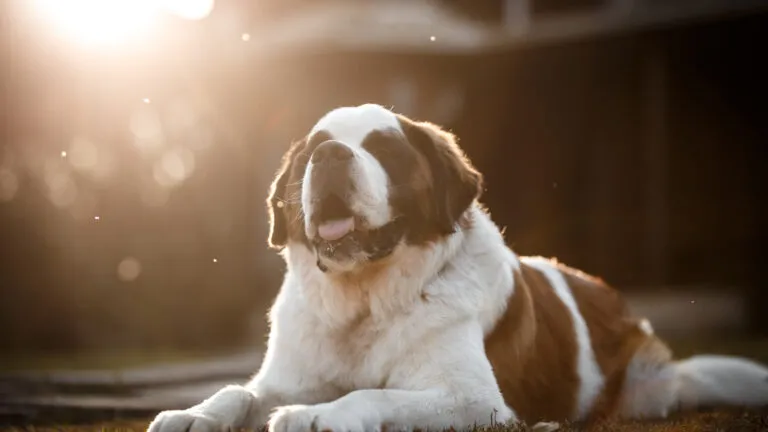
(128, 381)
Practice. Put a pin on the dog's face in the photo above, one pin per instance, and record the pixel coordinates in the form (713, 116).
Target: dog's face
(365, 180)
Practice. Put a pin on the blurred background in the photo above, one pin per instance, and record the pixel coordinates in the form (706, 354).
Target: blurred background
(138, 139)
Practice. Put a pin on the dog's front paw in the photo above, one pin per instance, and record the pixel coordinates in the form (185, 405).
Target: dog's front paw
(317, 418)
(185, 420)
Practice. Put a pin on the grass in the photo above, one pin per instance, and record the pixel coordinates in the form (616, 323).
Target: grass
(730, 421)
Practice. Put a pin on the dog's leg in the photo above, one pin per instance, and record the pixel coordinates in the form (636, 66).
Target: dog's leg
(448, 382)
(375, 410)
(233, 406)
(236, 407)
(283, 379)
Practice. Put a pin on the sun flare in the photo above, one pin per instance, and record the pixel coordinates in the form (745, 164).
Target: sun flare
(109, 22)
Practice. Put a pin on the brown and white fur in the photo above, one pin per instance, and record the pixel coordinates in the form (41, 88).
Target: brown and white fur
(403, 308)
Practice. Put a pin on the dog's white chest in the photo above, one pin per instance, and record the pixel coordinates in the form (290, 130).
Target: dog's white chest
(356, 356)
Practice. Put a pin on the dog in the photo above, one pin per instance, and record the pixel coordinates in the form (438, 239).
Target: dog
(403, 308)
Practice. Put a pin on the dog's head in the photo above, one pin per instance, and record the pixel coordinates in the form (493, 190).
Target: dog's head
(365, 180)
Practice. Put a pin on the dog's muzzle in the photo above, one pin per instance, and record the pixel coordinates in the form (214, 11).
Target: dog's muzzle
(373, 244)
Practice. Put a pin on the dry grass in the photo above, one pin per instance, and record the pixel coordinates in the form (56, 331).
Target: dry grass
(726, 421)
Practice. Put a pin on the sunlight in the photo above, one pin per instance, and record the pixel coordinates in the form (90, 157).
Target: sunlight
(188, 9)
(99, 22)
(109, 22)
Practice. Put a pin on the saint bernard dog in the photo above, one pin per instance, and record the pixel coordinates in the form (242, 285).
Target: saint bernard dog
(402, 307)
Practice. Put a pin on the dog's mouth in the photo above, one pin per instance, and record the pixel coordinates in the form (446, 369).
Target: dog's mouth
(335, 224)
(337, 239)
(335, 230)
(341, 236)
(342, 240)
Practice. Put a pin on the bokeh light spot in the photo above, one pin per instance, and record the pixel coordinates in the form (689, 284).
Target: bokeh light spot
(129, 269)
(175, 166)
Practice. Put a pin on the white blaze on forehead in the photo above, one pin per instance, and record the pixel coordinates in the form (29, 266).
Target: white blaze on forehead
(351, 125)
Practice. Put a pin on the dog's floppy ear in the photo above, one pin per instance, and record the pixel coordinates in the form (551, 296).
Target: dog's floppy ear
(278, 202)
(455, 182)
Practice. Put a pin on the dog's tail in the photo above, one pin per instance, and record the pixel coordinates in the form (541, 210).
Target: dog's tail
(656, 385)
(715, 380)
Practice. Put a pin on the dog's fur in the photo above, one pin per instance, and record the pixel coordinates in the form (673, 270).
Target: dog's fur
(417, 315)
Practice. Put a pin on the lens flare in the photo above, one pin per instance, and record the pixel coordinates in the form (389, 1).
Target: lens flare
(189, 9)
(110, 22)
(99, 22)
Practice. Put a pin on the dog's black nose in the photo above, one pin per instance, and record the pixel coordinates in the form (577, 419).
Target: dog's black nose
(331, 151)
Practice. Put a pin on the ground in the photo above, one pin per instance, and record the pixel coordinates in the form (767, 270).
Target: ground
(736, 421)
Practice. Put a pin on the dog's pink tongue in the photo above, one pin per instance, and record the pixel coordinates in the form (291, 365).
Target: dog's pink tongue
(336, 229)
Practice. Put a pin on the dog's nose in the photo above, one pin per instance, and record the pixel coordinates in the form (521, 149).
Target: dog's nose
(331, 151)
